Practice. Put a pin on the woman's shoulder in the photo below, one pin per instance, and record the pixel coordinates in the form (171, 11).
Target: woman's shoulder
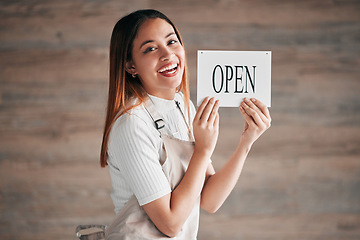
(133, 124)
(137, 116)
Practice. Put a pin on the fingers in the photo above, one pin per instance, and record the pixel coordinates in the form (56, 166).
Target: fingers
(201, 109)
(262, 107)
(208, 110)
(247, 118)
(206, 126)
(252, 106)
(251, 115)
(257, 111)
(216, 122)
(214, 113)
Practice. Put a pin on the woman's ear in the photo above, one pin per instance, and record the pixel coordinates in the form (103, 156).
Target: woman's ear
(130, 68)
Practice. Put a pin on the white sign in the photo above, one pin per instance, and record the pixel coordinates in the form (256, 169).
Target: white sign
(232, 75)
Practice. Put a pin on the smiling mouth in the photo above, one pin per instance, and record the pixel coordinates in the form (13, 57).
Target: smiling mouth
(169, 69)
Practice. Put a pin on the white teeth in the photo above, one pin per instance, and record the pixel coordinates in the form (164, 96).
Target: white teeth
(168, 68)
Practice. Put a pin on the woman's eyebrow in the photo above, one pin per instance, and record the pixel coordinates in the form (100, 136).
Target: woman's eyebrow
(172, 33)
(149, 41)
(145, 42)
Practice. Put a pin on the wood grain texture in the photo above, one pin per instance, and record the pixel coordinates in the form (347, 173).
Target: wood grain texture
(302, 177)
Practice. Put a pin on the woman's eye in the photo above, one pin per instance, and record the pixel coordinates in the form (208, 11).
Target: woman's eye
(149, 49)
(172, 42)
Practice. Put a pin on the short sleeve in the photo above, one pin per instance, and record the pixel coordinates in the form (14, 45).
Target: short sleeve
(134, 150)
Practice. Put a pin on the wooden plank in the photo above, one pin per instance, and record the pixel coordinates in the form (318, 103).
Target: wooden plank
(48, 202)
(287, 226)
(61, 198)
(64, 24)
(296, 185)
(279, 13)
(301, 179)
(38, 66)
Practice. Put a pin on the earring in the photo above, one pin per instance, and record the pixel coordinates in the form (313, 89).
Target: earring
(133, 75)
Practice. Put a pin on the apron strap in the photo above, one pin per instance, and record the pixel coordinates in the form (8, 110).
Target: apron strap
(158, 121)
(187, 124)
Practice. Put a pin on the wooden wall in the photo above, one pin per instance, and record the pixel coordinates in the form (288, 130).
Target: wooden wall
(302, 178)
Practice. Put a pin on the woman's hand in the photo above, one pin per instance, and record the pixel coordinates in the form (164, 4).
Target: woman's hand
(257, 120)
(219, 185)
(169, 212)
(206, 126)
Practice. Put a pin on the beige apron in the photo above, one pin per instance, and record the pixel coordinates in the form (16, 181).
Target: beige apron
(132, 222)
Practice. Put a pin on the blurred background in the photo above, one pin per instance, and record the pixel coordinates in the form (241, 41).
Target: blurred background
(302, 177)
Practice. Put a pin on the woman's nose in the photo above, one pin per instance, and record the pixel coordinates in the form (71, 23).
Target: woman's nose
(166, 54)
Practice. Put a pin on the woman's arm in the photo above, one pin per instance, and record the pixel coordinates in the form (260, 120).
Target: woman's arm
(219, 185)
(169, 213)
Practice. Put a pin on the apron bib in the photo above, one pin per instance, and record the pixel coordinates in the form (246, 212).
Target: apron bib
(132, 222)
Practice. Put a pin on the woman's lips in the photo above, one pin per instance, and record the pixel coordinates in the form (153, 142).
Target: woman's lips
(169, 70)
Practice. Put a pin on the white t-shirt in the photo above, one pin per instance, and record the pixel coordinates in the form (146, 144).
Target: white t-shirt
(135, 148)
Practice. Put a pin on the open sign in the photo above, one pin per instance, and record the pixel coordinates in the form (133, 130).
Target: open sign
(232, 75)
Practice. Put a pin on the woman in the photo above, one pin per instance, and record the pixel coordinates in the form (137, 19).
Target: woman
(156, 145)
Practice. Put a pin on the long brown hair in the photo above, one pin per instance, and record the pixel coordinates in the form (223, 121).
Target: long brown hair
(123, 88)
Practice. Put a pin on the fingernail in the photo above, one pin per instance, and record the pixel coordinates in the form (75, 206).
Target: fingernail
(253, 99)
(246, 99)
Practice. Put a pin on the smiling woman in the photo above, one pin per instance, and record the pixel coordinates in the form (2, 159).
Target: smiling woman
(158, 58)
(157, 146)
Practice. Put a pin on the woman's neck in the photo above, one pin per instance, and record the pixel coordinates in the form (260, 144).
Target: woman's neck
(168, 95)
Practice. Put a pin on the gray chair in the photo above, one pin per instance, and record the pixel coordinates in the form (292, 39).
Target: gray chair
(91, 232)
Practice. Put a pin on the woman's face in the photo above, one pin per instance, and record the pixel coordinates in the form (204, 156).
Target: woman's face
(158, 58)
